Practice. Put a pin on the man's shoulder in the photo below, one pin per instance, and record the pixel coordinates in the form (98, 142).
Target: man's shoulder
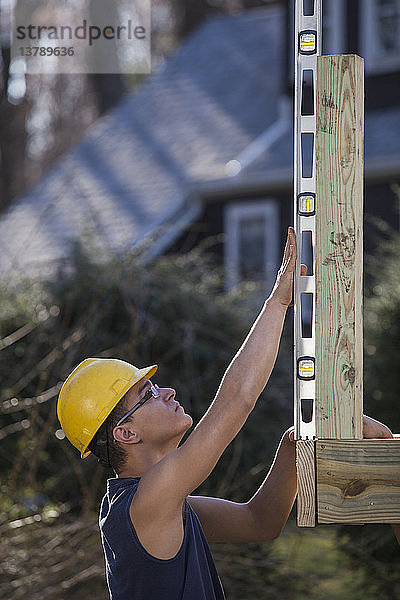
(119, 493)
(117, 485)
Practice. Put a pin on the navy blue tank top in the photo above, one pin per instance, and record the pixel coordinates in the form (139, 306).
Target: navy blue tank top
(134, 574)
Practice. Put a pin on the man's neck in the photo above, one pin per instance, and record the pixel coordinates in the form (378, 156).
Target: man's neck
(141, 460)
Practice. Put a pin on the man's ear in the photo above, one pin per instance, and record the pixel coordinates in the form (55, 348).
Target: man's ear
(126, 434)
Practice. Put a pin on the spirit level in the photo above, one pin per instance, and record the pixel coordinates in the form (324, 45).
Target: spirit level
(307, 47)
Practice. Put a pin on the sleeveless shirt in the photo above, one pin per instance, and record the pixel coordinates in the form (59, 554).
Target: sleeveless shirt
(134, 574)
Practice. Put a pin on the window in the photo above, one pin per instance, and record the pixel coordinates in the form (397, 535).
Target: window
(333, 27)
(252, 242)
(380, 38)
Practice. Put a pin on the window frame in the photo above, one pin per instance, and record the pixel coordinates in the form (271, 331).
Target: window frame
(374, 63)
(234, 213)
(336, 35)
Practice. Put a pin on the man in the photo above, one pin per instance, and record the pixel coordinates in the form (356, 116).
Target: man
(155, 535)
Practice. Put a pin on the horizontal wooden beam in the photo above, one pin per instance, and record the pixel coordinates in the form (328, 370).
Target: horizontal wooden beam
(358, 481)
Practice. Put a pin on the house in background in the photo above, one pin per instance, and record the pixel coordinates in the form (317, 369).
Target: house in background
(254, 206)
(205, 147)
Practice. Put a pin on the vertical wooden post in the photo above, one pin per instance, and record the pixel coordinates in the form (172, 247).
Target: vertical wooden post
(305, 459)
(341, 477)
(339, 247)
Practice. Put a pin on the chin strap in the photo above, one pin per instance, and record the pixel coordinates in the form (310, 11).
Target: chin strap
(101, 450)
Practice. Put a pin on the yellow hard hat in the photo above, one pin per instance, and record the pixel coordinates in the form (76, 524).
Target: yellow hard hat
(90, 393)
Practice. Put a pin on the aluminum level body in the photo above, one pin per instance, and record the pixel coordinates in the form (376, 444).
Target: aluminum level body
(307, 44)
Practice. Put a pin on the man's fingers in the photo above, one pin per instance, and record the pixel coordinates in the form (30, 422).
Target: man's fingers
(293, 242)
(290, 240)
(375, 429)
(286, 251)
(289, 255)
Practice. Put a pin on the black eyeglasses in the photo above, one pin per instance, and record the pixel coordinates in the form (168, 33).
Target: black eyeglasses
(152, 392)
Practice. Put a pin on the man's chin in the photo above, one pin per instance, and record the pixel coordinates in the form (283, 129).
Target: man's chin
(186, 427)
(190, 421)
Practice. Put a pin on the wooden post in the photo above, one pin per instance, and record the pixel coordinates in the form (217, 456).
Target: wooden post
(339, 247)
(305, 459)
(338, 276)
(341, 477)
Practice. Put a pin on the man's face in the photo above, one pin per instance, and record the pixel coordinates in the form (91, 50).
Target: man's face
(160, 419)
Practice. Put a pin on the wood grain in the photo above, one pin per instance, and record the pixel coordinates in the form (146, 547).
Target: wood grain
(305, 458)
(358, 481)
(339, 247)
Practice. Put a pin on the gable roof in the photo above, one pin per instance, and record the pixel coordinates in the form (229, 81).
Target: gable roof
(217, 98)
(382, 147)
(131, 172)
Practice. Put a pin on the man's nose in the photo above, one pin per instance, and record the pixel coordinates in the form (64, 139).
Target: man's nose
(167, 394)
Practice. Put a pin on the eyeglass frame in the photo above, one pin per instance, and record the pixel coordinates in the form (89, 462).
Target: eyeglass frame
(154, 389)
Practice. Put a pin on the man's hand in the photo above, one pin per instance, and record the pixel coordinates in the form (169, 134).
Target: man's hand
(263, 517)
(373, 429)
(283, 288)
(181, 471)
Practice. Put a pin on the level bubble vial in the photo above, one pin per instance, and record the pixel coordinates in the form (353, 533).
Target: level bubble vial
(308, 42)
(306, 204)
(306, 368)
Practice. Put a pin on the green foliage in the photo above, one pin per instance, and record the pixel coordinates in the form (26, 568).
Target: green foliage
(172, 313)
(382, 329)
(375, 546)
(315, 566)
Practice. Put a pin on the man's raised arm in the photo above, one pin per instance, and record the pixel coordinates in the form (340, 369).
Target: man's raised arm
(182, 470)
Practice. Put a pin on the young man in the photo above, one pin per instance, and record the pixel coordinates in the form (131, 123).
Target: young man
(155, 535)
